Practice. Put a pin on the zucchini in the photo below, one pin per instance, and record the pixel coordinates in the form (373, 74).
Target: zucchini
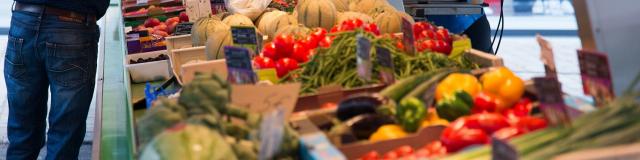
(399, 89)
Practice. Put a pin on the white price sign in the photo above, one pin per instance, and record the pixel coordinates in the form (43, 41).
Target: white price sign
(197, 9)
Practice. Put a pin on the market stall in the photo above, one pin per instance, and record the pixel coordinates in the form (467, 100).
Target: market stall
(325, 80)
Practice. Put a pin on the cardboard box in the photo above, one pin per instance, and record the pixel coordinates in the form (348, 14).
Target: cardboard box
(213, 66)
(148, 71)
(179, 57)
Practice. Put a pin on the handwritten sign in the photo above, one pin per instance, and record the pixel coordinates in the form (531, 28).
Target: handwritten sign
(363, 54)
(265, 98)
(551, 100)
(197, 9)
(386, 65)
(546, 55)
(596, 76)
(239, 66)
(407, 37)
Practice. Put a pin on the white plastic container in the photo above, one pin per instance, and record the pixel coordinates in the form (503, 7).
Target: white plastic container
(148, 71)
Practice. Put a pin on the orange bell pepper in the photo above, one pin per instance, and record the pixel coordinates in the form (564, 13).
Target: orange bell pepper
(505, 85)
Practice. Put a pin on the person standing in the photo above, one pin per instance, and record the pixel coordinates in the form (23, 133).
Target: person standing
(52, 46)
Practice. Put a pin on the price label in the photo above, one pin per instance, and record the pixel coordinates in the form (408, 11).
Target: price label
(239, 65)
(245, 36)
(386, 65)
(502, 150)
(407, 37)
(142, 1)
(546, 55)
(268, 74)
(363, 53)
(596, 76)
(551, 100)
(459, 47)
(183, 28)
(197, 9)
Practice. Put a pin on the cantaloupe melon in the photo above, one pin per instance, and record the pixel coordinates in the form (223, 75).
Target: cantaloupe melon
(317, 13)
(389, 22)
(370, 7)
(204, 27)
(342, 16)
(267, 18)
(341, 5)
(297, 30)
(237, 20)
(280, 22)
(214, 47)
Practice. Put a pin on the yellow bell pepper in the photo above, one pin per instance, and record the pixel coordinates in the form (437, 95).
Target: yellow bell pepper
(432, 119)
(505, 85)
(455, 82)
(386, 132)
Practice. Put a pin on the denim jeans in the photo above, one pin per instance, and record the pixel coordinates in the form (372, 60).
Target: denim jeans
(45, 52)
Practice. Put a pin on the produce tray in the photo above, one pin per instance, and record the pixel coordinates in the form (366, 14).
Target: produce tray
(148, 71)
(334, 94)
(183, 56)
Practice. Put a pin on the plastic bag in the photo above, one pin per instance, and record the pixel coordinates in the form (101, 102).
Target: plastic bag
(250, 8)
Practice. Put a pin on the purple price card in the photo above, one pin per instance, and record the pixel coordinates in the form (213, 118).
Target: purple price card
(551, 100)
(363, 54)
(407, 37)
(383, 56)
(239, 65)
(596, 76)
(502, 150)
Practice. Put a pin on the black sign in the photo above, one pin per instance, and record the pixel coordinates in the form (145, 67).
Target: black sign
(244, 35)
(238, 61)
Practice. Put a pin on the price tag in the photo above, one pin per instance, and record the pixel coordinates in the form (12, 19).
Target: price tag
(551, 100)
(268, 74)
(596, 76)
(245, 36)
(459, 47)
(386, 65)
(183, 28)
(546, 55)
(271, 133)
(197, 9)
(502, 150)
(239, 65)
(363, 54)
(142, 1)
(407, 37)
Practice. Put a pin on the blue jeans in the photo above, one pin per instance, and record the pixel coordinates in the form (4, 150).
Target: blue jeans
(45, 52)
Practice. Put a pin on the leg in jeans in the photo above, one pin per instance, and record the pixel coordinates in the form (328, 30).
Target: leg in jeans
(480, 34)
(70, 55)
(27, 83)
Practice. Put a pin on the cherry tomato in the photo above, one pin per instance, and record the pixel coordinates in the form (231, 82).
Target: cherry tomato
(284, 45)
(347, 26)
(269, 50)
(335, 28)
(357, 23)
(373, 28)
(428, 34)
(300, 52)
(404, 150)
(262, 62)
(318, 33)
(399, 45)
(284, 65)
(326, 42)
(427, 45)
(444, 47)
(443, 34)
(422, 153)
(436, 149)
(373, 155)
(422, 26)
(390, 155)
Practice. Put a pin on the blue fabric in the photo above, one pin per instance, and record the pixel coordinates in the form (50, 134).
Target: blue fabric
(95, 7)
(455, 23)
(46, 53)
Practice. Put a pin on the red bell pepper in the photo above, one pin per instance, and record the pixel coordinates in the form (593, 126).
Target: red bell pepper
(488, 122)
(486, 102)
(457, 136)
(530, 123)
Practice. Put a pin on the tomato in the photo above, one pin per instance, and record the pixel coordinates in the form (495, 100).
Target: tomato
(399, 45)
(418, 27)
(427, 45)
(269, 50)
(318, 33)
(335, 28)
(508, 133)
(347, 26)
(326, 42)
(488, 122)
(427, 34)
(444, 47)
(404, 150)
(390, 155)
(300, 52)
(443, 34)
(372, 28)
(284, 45)
(523, 107)
(373, 155)
(357, 23)
(435, 149)
(455, 139)
(529, 123)
(284, 65)
(263, 62)
(422, 153)
(329, 105)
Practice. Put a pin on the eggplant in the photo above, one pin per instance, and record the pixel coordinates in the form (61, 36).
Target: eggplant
(362, 126)
(357, 105)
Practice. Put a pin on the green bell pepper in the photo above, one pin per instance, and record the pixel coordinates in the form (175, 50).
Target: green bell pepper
(410, 113)
(454, 106)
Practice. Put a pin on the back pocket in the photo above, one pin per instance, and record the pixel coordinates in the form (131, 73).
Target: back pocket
(67, 63)
(14, 61)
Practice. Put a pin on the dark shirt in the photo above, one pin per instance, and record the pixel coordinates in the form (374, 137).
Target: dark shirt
(95, 7)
